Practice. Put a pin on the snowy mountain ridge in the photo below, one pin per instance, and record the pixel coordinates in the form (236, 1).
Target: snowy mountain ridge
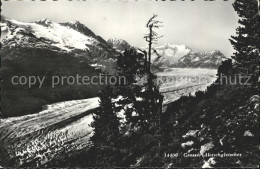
(54, 34)
(75, 37)
(171, 55)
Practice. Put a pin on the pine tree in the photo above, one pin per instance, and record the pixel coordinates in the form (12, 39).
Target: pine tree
(106, 131)
(129, 65)
(247, 42)
(140, 99)
(147, 108)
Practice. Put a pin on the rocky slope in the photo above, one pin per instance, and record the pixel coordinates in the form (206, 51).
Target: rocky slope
(226, 129)
(215, 129)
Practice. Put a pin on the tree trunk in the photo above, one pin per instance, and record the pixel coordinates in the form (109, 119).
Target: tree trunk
(150, 48)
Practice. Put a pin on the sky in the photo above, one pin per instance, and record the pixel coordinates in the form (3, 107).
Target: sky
(200, 25)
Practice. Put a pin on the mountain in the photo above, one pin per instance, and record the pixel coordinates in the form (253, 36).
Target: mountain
(203, 60)
(47, 49)
(75, 38)
(76, 25)
(169, 55)
(71, 37)
(119, 44)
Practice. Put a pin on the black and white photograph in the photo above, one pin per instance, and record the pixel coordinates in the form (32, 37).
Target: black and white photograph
(129, 84)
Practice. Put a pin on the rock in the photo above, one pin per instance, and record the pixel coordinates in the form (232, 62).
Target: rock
(248, 134)
(256, 107)
(206, 165)
(190, 133)
(209, 163)
(186, 144)
(222, 140)
(192, 151)
(169, 165)
(255, 99)
(206, 147)
(239, 162)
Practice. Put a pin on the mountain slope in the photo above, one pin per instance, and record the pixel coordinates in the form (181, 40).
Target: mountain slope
(76, 25)
(46, 49)
(20, 99)
(230, 126)
(205, 60)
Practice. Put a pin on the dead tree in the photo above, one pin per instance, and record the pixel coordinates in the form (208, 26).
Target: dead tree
(152, 37)
(155, 96)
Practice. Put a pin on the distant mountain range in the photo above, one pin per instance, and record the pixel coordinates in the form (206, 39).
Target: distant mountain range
(175, 56)
(75, 38)
(180, 56)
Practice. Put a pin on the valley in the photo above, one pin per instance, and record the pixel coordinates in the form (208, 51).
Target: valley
(37, 138)
(64, 127)
(139, 85)
(41, 124)
(177, 82)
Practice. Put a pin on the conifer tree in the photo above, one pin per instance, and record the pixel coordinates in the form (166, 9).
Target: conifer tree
(145, 97)
(130, 65)
(140, 99)
(247, 42)
(106, 131)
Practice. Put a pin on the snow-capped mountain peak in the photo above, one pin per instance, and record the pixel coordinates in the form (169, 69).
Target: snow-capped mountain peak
(53, 34)
(118, 44)
(74, 22)
(66, 39)
(171, 55)
(80, 27)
